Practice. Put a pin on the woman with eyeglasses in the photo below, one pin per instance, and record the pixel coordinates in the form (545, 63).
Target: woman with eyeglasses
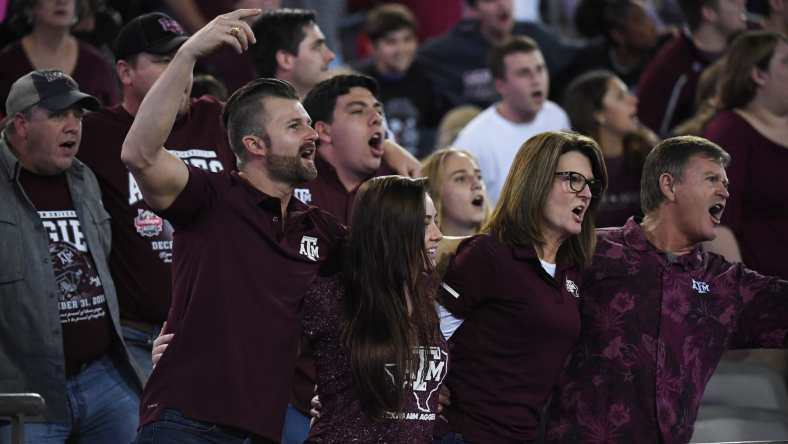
(516, 288)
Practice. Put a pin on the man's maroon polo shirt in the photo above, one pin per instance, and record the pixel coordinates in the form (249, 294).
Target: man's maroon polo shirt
(520, 323)
(239, 277)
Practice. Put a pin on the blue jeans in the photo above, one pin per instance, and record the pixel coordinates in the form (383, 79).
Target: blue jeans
(103, 408)
(140, 345)
(449, 438)
(173, 427)
(296, 426)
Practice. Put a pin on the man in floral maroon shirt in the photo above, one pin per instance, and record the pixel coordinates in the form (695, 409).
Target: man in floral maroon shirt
(658, 312)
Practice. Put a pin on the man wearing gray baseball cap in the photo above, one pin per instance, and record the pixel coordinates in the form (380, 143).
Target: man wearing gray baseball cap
(59, 324)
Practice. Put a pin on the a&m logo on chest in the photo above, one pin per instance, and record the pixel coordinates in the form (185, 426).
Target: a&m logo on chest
(309, 248)
(700, 287)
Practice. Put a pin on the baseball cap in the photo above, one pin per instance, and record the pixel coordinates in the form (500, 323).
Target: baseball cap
(48, 88)
(155, 33)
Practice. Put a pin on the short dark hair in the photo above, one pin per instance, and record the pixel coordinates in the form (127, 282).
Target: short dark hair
(386, 18)
(691, 9)
(671, 156)
(321, 100)
(509, 46)
(244, 112)
(601, 17)
(280, 29)
(471, 3)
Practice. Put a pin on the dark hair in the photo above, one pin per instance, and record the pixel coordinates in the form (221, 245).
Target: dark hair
(206, 84)
(584, 98)
(751, 49)
(280, 29)
(518, 217)
(601, 17)
(244, 112)
(321, 100)
(471, 3)
(509, 46)
(385, 261)
(671, 156)
(691, 9)
(386, 18)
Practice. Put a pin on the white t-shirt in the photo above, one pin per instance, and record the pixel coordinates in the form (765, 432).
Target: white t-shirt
(494, 141)
(548, 267)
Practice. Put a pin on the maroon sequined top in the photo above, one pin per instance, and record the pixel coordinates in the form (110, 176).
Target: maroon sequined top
(341, 419)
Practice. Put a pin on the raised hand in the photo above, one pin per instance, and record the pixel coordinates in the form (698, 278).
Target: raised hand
(227, 29)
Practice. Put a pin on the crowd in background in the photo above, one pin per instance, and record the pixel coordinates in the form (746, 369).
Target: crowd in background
(448, 89)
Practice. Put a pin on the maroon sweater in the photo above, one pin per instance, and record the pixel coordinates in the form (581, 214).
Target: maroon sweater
(756, 211)
(93, 72)
(520, 323)
(666, 90)
(341, 417)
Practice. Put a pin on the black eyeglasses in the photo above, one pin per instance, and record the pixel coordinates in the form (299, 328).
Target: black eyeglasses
(578, 182)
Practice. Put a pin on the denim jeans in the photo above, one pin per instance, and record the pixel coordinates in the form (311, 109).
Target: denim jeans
(173, 427)
(102, 405)
(140, 345)
(296, 426)
(449, 438)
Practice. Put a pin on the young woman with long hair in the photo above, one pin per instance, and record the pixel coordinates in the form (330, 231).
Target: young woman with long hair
(516, 287)
(601, 107)
(752, 125)
(379, 354)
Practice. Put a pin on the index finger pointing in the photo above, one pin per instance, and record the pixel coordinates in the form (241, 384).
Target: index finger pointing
(243, 13)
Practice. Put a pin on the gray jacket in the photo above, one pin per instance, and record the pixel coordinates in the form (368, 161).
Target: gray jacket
(31, 341)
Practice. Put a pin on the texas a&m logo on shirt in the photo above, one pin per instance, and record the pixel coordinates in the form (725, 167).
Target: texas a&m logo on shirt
(572, 288)
(431, 366)
(303, 194)
(700, 287)
(309, 248)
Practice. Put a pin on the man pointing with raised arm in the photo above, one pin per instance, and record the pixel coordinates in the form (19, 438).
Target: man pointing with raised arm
(244, 253)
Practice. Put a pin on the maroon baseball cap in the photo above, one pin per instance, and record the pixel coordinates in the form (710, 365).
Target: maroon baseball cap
(50, 89)
(154, 33)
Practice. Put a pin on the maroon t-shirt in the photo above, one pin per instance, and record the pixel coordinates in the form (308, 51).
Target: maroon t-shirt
(519, 325)
(84, 315)
(93, 72)
(341, 415)
(622, 197)
(142, 241)
(756, 211)
(239, 277)
(666, 90)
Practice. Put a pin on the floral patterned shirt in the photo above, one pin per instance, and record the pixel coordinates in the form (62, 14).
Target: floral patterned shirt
(654, 327)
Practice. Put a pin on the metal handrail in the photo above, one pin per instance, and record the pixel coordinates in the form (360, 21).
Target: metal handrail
(17, 406)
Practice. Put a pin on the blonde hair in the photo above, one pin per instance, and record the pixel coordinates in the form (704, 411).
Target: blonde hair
(434, 168)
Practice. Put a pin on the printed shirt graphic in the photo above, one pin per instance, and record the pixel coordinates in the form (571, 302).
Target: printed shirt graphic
(341, 414)
(83, 308)
(142, 246)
